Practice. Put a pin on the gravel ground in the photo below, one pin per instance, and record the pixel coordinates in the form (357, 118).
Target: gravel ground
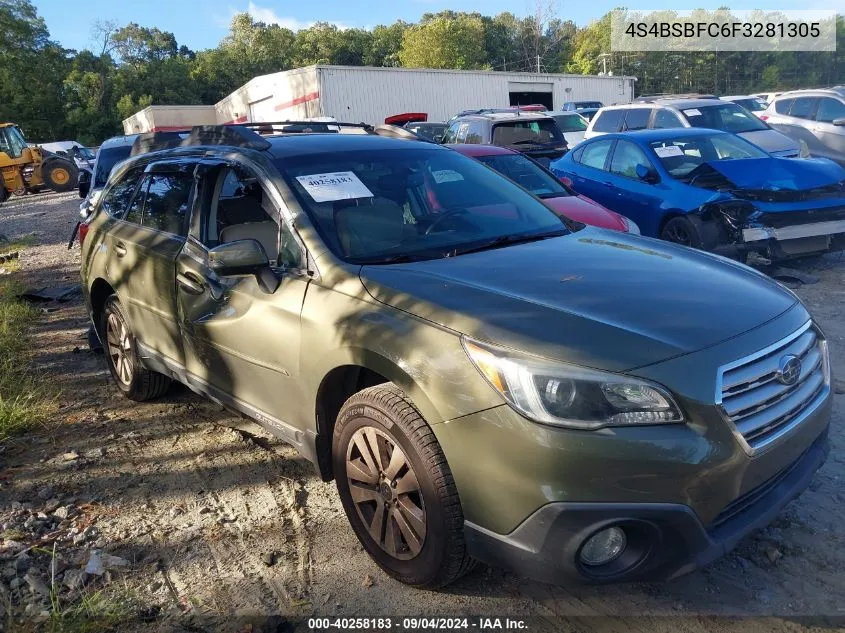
(207, 525)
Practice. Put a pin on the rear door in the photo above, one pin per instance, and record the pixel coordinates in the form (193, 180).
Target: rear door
(145, 242)
(242, 342)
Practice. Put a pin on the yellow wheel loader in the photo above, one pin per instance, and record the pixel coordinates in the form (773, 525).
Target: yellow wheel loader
(30, 169)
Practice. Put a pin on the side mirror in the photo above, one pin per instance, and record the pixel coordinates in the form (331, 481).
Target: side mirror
(648, 175)
(244, 257)
(566, 180)
(839, 122)
(84, 188)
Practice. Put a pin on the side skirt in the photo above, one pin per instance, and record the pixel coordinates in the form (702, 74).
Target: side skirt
(304, 442)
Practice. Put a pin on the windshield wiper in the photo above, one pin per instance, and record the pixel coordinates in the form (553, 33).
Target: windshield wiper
(504, 240)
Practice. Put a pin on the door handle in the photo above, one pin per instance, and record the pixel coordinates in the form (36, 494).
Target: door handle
(191, 283)
(120, 249)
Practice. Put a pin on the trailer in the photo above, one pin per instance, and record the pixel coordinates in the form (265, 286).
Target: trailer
(371, 95)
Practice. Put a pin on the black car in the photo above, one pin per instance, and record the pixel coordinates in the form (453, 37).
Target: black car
(530, 133)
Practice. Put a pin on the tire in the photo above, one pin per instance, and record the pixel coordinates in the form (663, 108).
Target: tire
(60, 175)
(136, 382)
(405, 510)
(681, 230)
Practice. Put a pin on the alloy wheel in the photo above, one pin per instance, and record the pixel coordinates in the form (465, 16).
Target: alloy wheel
(679, 235)
(120, 348)
(386, 493)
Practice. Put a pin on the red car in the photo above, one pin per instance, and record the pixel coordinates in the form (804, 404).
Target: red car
(545, 185)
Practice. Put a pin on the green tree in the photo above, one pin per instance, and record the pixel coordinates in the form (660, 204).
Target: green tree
(445, 42)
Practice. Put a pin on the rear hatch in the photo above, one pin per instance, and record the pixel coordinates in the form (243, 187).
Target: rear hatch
(541, 139)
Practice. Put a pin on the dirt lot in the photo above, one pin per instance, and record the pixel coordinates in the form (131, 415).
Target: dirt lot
(211, 525)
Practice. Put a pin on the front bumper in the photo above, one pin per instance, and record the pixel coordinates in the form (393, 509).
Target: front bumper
(665, 540)
(798, 231)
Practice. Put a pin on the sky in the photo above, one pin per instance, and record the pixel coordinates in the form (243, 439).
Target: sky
(202, 24)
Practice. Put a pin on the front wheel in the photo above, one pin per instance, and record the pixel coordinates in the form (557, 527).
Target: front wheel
(397, 489)
(132, 378)
(60, 175)
(682, 230)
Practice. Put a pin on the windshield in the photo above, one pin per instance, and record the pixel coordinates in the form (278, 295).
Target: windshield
(570, 122)
(527, 174)
(683, 154)
(82, 152)
(728, 117)
(382, 206)
(527, 132)
(12, 141)
(106, 160)
(430, 131)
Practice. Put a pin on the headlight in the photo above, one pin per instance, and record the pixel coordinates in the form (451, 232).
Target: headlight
(571, 396)
(631, 226)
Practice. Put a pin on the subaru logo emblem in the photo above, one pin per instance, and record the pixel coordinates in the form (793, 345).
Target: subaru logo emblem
(789, 370)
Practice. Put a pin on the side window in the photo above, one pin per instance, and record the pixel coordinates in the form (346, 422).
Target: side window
(782, 105)
(609, 121)
(452, 133)
(595, 154)
(625, 159)
(242, 210)
(136, 209)
(475, 132)
(637, 118)
(666, 119)
(577, 152)
(829, 110)
(462, 133)
(803, 107)
(116, 200)
(166, 203)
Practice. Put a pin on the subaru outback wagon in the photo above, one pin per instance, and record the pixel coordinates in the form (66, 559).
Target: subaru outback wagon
(482, 380)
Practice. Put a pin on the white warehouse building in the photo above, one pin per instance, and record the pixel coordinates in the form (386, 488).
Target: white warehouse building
(371, 95)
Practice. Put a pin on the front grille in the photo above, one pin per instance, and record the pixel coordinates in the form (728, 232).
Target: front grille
(758, 404)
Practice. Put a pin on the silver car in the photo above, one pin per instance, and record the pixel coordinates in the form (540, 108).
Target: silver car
(572, 124)
(814, 117)
(708, 113)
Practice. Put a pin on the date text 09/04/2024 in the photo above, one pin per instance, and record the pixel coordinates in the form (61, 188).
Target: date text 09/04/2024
(417, 624)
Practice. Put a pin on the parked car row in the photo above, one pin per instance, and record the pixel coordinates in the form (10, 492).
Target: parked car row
(482, 378)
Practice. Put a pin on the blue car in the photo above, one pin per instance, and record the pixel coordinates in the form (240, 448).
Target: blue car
(713, 190)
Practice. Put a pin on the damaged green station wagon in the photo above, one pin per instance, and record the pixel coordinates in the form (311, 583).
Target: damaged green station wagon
(483, 380)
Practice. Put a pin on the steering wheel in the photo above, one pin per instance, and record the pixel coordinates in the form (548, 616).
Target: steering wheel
(443, 216)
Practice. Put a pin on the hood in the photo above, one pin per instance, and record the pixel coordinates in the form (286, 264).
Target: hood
(585, 210)
(771, 140)
(779, 174)
(596, 298)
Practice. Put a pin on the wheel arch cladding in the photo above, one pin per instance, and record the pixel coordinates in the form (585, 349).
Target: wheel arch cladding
(336, 387)
(101, 290)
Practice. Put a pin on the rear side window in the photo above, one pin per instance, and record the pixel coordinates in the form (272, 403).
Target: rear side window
(803, 107)
(830, 110)
(117, 198)
(637, 118)
(595, 154)
(166, 203)
(609, 121)
(666, 119)
(782, 105)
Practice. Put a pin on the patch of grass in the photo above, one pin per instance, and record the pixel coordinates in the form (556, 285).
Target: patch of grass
(24, 399)
(100, 611)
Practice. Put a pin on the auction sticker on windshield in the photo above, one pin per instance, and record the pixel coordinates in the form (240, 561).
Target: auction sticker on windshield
(338, 185)
(668, 151)
(692, 112)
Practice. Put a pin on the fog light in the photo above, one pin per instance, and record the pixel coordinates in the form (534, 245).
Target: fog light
(603, 547)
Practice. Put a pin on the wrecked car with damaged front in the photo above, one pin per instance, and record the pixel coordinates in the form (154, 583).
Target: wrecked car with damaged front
(714, 191)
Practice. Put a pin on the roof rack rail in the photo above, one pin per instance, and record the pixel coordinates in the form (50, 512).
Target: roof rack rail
(381, 129)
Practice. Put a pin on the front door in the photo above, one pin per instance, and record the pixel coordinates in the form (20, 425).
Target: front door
(242, 342)
(145, 242)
